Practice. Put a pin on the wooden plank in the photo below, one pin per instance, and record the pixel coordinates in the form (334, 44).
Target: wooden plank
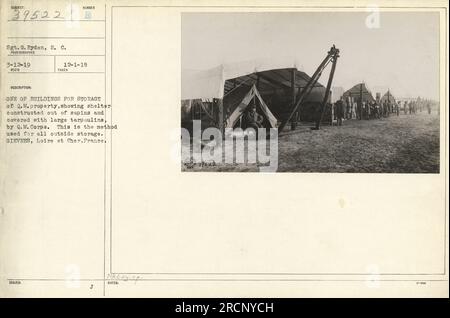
(294, 96)
(293, 86)
(327, 92)
(221, 125)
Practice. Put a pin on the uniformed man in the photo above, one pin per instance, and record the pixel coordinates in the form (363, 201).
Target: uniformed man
(339, 112)
(253, 119)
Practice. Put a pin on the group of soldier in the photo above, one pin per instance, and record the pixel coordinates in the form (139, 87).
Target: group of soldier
(376, 109)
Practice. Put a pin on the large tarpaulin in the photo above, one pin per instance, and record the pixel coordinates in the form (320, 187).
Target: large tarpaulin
(359, 90)
(210, 83)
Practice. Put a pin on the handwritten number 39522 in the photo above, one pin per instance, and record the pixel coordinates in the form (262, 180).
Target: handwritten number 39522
(24, 15)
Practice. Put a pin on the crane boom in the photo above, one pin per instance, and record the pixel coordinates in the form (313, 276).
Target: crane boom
(332, 56)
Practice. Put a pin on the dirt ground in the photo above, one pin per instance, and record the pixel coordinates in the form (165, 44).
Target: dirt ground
(404, 144)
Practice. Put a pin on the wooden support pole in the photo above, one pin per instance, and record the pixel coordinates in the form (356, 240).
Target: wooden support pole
(293, 87)
(293, 97)
(327, 92)
(360, 102)
(220, 119)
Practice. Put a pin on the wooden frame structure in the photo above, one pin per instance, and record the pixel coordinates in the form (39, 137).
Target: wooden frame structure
(332, 57)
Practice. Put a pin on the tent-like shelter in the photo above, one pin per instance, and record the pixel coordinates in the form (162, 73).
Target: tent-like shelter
(237, 102)
(353, 98)
(359, 91)
(388, 97)
(279, 88)
(277, 83)
(218, 81)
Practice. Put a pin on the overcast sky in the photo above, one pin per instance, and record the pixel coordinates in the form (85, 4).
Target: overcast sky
(402, 54)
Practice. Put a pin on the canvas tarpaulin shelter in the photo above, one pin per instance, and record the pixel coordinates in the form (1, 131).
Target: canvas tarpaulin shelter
(278, 88)
(278, 83)
(359, 90)
(388, 97)
(237, 102)
(215, 82)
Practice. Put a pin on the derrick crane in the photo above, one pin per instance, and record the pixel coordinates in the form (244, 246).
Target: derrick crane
(332, 57)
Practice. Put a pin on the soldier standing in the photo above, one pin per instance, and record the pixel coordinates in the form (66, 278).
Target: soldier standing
(339, 112)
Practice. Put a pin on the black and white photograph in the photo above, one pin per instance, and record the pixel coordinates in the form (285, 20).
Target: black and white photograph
(236, 151)
(310, 92)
